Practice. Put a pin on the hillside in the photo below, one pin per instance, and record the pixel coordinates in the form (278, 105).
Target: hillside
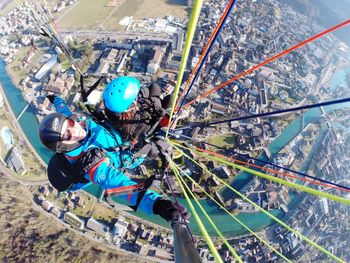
(27, 235)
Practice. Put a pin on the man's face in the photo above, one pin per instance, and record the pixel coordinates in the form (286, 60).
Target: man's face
(72, 132)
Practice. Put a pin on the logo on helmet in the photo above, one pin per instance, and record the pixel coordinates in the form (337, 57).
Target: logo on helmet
(55, 124)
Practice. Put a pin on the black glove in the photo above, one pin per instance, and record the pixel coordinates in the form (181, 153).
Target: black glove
(168, 209)
(51, 98)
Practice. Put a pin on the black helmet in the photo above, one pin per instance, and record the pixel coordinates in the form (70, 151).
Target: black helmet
(50, 133)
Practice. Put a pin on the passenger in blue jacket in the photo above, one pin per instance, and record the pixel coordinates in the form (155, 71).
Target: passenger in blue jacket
(89, 152)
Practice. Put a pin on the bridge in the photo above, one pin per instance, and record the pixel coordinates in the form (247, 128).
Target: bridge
(20, 115)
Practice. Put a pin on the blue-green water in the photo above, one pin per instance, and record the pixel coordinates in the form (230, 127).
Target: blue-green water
(226, 224)
(289, 133)
(28, 121)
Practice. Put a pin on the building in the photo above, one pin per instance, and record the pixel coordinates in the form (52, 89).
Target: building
(47, 205)
(178, 41)
(80, 201)
(73, 220)
(161, 254)
(57, 212)
(98, 227)
(154, 63)
(45, 69)
(120, 228)
(15, 162)
(6, 137)
(1, 101)
(218, 108)
(59, 84)
(222, 172)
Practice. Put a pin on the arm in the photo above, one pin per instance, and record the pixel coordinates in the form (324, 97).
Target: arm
(107, 176)
(61, 106)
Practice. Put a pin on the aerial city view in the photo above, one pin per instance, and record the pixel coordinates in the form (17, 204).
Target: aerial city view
(174, 131)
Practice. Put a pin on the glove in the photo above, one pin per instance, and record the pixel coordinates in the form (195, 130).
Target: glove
(51, 98)
(168, 209)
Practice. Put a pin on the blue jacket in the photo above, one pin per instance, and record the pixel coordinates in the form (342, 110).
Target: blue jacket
(106, 173)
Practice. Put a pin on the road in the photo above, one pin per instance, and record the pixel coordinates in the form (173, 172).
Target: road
(95, 34)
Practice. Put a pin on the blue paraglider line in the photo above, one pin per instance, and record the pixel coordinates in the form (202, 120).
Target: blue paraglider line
(231, 5)
(231, 152)
(265, 114)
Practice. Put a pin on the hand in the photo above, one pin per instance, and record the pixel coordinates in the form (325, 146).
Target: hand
(51, 98)
(168, 209)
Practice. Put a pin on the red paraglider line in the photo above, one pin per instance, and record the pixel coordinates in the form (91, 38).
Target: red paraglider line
(212, 37)
(271, 170)
(269, 60)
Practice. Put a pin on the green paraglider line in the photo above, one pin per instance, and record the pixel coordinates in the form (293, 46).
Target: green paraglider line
(251, 202)
(198, 220)
(192, 25)
(278, 180)
(205, 213)
(235, 218)
(228, 212)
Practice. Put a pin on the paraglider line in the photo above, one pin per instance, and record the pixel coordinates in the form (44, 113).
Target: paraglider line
(205, 54)
(230, 248)
(326, 182)
(178, 205)
(257, 206)
(310, 106)
(269, 60)
(273, 178)
(222, 207)
(192, 25)
(197, 218)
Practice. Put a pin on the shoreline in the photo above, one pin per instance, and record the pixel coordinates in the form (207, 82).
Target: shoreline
(19, 130)
(149, 222)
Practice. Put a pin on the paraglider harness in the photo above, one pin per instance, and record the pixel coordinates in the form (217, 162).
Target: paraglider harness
(147, 113)
(63, 174)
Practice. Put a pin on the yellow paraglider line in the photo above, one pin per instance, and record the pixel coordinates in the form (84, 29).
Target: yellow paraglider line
(278, 180)
(192, 25)
(197, 218)
(233, 216)
(175, 144)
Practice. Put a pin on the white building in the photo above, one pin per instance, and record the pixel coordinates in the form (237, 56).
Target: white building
(98, 227)
(154, 63)
(1, 101)
(47, 205)
(120, 228)
(44, 70)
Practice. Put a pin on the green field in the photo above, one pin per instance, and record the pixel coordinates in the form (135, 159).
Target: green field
(95, 14)
(222, 140)
(84, 14)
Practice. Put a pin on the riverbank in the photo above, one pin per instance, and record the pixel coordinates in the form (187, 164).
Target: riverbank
(18, 131)
(229, 227)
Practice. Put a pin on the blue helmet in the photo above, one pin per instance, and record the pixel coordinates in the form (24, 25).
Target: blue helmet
(120, 93)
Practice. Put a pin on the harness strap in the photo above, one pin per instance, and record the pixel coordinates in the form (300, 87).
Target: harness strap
(139, 188)
(142, 193)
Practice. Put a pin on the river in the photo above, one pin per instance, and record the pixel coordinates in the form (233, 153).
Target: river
(227, 225)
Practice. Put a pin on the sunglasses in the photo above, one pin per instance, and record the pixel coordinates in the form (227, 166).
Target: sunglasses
(67, 134)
